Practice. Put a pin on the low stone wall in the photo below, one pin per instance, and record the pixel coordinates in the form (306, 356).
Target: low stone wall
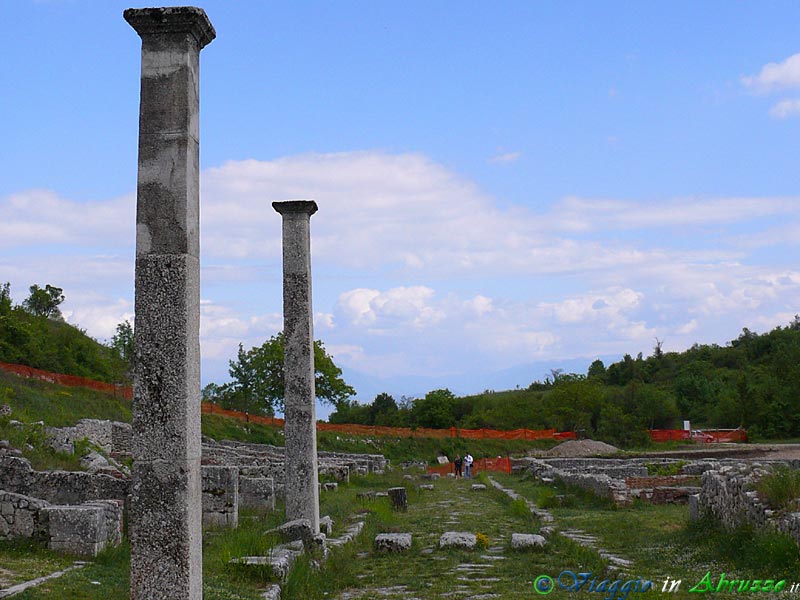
(59, 487)
(643, 483)
(21, 517)
(729, 495)
(600, 484)
(113, 437)
(84, 530)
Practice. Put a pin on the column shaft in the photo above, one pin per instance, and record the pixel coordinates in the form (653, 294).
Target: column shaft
(165, 516)
(300, 428)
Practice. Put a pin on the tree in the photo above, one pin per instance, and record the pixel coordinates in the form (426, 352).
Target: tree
(122, 343)
(5, 299)
(436, 410)
(597, 370)
(258, 375)
(44, 302)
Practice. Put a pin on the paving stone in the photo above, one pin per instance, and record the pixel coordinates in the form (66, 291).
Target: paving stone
(457, 539)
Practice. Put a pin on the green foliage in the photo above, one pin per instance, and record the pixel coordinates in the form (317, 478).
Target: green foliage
(258, 378)
(781, 488)
(436, 410)
(664, 469)
(44, 302)
(123, 345)
(30, 336)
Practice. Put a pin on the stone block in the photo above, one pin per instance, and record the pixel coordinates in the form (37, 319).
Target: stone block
(393, 542)
(298, 529)
(220, 496)
(694, 507)
(457, 539)
(326, 525)
(478, 487)
(426, 486)
(273, 592)
(330, 486)
(525, 541)
(257, 492)
(84, 530)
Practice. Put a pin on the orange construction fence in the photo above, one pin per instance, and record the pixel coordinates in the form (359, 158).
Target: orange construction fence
(126, 392)
(708, 436)
(118, 390)
(481, 464)
(377, 430)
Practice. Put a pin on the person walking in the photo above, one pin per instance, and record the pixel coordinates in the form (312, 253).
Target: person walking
(458, 463)
(468, 465)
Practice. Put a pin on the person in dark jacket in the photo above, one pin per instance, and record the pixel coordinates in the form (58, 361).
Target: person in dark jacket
(458, 463)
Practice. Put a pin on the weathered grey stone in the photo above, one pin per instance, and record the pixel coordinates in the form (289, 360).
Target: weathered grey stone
(393, 542)
(330, 486)
(22, 517)
(220, 496)
(165, 524)
(524, 541)
(457, 539)
(84, 530)
(478, 487)
(256, 492)
(326, 525)
(59, 487)
(426, 486)
(299, 529)
(273, 592)
(694, 507)
(300, 427)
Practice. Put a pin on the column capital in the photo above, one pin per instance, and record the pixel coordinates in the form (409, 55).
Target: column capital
(172, 19)
(287, 207)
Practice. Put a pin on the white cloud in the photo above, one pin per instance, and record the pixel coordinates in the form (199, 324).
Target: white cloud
(506, 158)
(687, 328)
(776, 76)
(396, 307)
(785, 109)
(419, 272)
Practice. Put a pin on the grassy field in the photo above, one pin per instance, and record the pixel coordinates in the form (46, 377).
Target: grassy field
(658, 539)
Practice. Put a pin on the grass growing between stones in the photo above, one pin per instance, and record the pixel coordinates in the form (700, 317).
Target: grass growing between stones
(659, 539)
(663, 542)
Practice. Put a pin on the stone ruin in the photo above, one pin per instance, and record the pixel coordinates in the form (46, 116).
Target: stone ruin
(81, 511)
(721, 488)
(620, 480)
(728, 495)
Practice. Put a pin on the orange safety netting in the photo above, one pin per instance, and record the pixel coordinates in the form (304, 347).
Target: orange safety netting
(481, 464)
(377, 430)
(708, 436)
(118, 390)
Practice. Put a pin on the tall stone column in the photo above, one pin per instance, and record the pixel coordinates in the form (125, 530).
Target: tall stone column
(300, 428)
(166, 511)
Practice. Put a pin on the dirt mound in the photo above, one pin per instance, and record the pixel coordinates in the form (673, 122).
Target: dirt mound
(580, 449)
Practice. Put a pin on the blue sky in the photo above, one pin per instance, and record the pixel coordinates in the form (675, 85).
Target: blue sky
(500, 184)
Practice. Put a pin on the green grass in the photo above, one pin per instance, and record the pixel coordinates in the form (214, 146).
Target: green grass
(659, 539)
(781, 488)
(32, 400)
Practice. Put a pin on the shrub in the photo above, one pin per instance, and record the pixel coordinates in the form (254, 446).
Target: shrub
(780, 488)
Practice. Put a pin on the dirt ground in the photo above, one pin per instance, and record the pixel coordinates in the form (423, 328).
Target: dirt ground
(765, 451)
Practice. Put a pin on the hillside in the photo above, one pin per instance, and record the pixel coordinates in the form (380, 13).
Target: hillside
(38, 337)
(751, 382)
